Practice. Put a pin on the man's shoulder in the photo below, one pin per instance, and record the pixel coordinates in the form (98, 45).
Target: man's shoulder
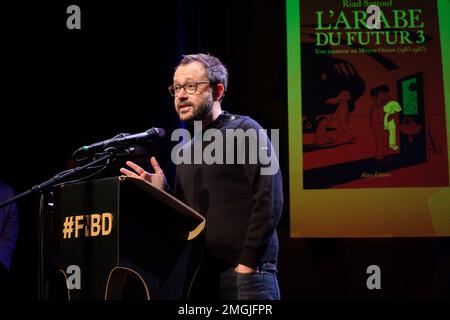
(241, 121)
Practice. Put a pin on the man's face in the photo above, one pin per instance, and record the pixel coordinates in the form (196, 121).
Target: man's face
(194, 106)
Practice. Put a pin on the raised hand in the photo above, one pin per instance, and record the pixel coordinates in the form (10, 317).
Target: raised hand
(157, 179)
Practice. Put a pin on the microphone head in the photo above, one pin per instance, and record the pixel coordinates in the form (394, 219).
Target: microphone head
(120, 141)
(158, 132)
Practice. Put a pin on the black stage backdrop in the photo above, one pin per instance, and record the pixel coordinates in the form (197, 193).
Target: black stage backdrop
(66, 88)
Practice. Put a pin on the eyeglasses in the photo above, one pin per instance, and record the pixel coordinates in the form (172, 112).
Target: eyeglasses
(189, 87)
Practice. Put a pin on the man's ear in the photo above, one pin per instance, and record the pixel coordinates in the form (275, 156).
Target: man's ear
(218, 92)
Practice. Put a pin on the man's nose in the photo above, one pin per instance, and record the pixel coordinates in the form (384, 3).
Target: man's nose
(181, 93)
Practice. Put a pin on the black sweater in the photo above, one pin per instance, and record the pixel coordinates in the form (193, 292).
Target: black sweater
(242, 207)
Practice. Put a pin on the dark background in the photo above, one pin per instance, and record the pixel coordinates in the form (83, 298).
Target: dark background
(66, 88)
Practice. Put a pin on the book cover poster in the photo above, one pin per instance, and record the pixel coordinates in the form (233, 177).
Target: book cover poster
(373, 109)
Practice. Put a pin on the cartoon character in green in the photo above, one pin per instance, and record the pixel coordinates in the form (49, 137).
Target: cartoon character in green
(390, 109)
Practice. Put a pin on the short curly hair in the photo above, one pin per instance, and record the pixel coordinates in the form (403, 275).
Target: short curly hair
(216, 72)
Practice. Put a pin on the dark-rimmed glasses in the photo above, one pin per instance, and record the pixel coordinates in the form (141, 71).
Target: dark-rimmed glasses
(189, 87)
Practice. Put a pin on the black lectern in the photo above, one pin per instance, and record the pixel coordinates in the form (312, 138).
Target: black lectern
(119, 238)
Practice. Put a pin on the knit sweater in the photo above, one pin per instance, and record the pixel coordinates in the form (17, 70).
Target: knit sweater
(242, 207)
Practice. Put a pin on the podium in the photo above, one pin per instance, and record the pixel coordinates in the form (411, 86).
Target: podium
(119, 238)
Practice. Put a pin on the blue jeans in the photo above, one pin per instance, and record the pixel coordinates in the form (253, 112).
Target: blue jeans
(260, 285)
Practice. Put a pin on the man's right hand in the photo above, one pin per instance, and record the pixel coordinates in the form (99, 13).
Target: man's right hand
(157, 179)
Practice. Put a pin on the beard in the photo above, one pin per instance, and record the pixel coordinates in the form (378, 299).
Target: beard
(201, 111)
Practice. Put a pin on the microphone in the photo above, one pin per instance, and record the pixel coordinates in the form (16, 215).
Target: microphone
(121, 140)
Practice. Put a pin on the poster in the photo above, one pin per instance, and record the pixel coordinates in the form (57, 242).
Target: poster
(371, 103)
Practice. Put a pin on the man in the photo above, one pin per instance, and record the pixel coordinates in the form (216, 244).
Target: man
(242, 207)
(8, 236)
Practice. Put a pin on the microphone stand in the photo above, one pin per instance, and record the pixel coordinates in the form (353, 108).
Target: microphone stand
(110, 155)
(60, 177)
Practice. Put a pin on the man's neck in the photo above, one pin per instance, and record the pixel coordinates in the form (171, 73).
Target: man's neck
(213, 115)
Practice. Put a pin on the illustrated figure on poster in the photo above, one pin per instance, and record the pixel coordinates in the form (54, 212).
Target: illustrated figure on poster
(380, 97)
(390, 109)
(340, 117)
(322, 136)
